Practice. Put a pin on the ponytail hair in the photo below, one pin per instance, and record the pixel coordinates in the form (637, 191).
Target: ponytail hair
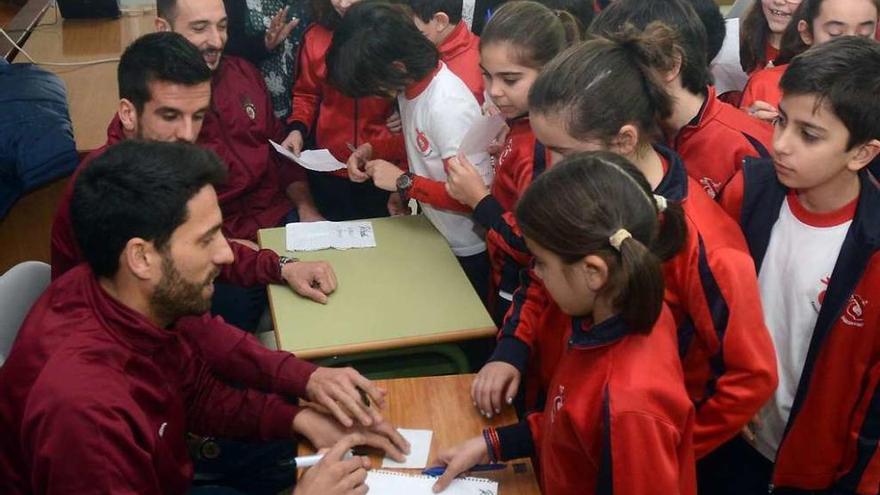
(581, 207)
(605, 83)
(535, 32)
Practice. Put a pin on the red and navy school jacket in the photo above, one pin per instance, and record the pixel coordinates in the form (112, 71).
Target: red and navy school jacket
(715, 143)
(763, 85)
(617, 418)
(250, 267)
(521, 160)
(712, 291)
(238, 128)
(335, 120)
(831, 439)
(460, 51)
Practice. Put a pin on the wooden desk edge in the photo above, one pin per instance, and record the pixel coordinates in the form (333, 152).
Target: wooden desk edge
(388, 344)
(24, 22)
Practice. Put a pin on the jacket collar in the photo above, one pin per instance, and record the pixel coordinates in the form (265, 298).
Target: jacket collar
(125, 324)
(674, 185)
(585, 335)
(115, 132)
(457, 42)
(418, 87)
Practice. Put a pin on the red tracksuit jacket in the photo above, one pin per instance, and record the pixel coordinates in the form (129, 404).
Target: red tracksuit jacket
(831, 440)
(96, 399)
(460, 51)
(715, 143)
(521, 160)
(238, 129)
(712, 290)
(250, 267)
(617, 418)
(335, 119)
(763, 85)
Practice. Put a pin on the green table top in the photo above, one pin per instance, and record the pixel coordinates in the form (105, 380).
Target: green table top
(408, 290)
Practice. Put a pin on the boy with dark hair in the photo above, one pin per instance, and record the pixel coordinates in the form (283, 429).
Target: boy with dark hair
(377, 51)
(711, 136)
(440, 22)
(809, 215)
(103, 383)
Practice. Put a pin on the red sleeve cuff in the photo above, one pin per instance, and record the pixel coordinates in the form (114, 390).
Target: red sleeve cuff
(276, 422)
(391, 149)
(433, 192)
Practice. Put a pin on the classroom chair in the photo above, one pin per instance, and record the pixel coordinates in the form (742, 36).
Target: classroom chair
(20, 287)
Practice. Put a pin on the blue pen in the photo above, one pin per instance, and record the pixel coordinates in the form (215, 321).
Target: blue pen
(437, 471)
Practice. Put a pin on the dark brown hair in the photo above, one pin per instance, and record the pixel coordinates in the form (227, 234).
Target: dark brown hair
(753, 35)
(367, 44)
(574, 208)
(680, 16)
(844, 74)
(603, 84)
(534, 31)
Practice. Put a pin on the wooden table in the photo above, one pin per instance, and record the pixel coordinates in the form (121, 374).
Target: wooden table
(443, 404)
(409, 290)
(92, 90)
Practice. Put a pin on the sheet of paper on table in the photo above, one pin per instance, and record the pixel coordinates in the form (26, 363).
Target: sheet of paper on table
(420, 447)
(395, 483)
(314, 236)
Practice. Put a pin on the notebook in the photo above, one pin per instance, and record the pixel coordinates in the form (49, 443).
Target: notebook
(394, 483)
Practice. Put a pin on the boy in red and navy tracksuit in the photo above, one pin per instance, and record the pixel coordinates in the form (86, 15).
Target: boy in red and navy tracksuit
(810, 218)
(712, 137)
(440, 22)
(340, 124)
(711, 290)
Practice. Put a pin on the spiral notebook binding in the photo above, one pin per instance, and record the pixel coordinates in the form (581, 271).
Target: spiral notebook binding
(425, 477)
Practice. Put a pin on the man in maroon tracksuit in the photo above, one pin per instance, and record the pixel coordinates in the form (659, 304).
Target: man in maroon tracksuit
(103, 384)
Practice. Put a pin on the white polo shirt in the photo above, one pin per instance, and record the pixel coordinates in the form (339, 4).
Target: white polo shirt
(435, 116)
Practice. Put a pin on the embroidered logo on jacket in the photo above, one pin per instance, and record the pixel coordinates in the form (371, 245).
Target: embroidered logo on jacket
(710, 186)
(854, 314)
(558, 402)
(249, 108)
(422, 142)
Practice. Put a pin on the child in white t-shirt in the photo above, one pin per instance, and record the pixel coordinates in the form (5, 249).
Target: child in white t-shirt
(378, 51)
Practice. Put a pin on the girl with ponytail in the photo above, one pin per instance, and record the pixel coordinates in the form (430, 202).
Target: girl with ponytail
(592, 223)
(605, 95)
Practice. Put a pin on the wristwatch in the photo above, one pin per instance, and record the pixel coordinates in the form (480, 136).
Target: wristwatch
(404, 184)
(283, 260)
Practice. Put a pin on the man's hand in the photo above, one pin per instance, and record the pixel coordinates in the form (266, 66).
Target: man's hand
(495, 385)
(346, 393)
(278, 29)
(396, 206)
(293, 142)
(459, 459)
(312, 279)
(464, 183)
(324, 431)
(384, 174)
(357, 162)
(335, 475)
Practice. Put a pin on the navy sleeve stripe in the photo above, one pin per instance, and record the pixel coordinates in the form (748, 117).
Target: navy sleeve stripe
(605, 478)
(519, 299)
(759, 147)
(719, 312)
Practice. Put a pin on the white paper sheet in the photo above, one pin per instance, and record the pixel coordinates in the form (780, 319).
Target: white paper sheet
(420, 447)
(393, 483)
(313, 236)
(317, 160)
(481, 134)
